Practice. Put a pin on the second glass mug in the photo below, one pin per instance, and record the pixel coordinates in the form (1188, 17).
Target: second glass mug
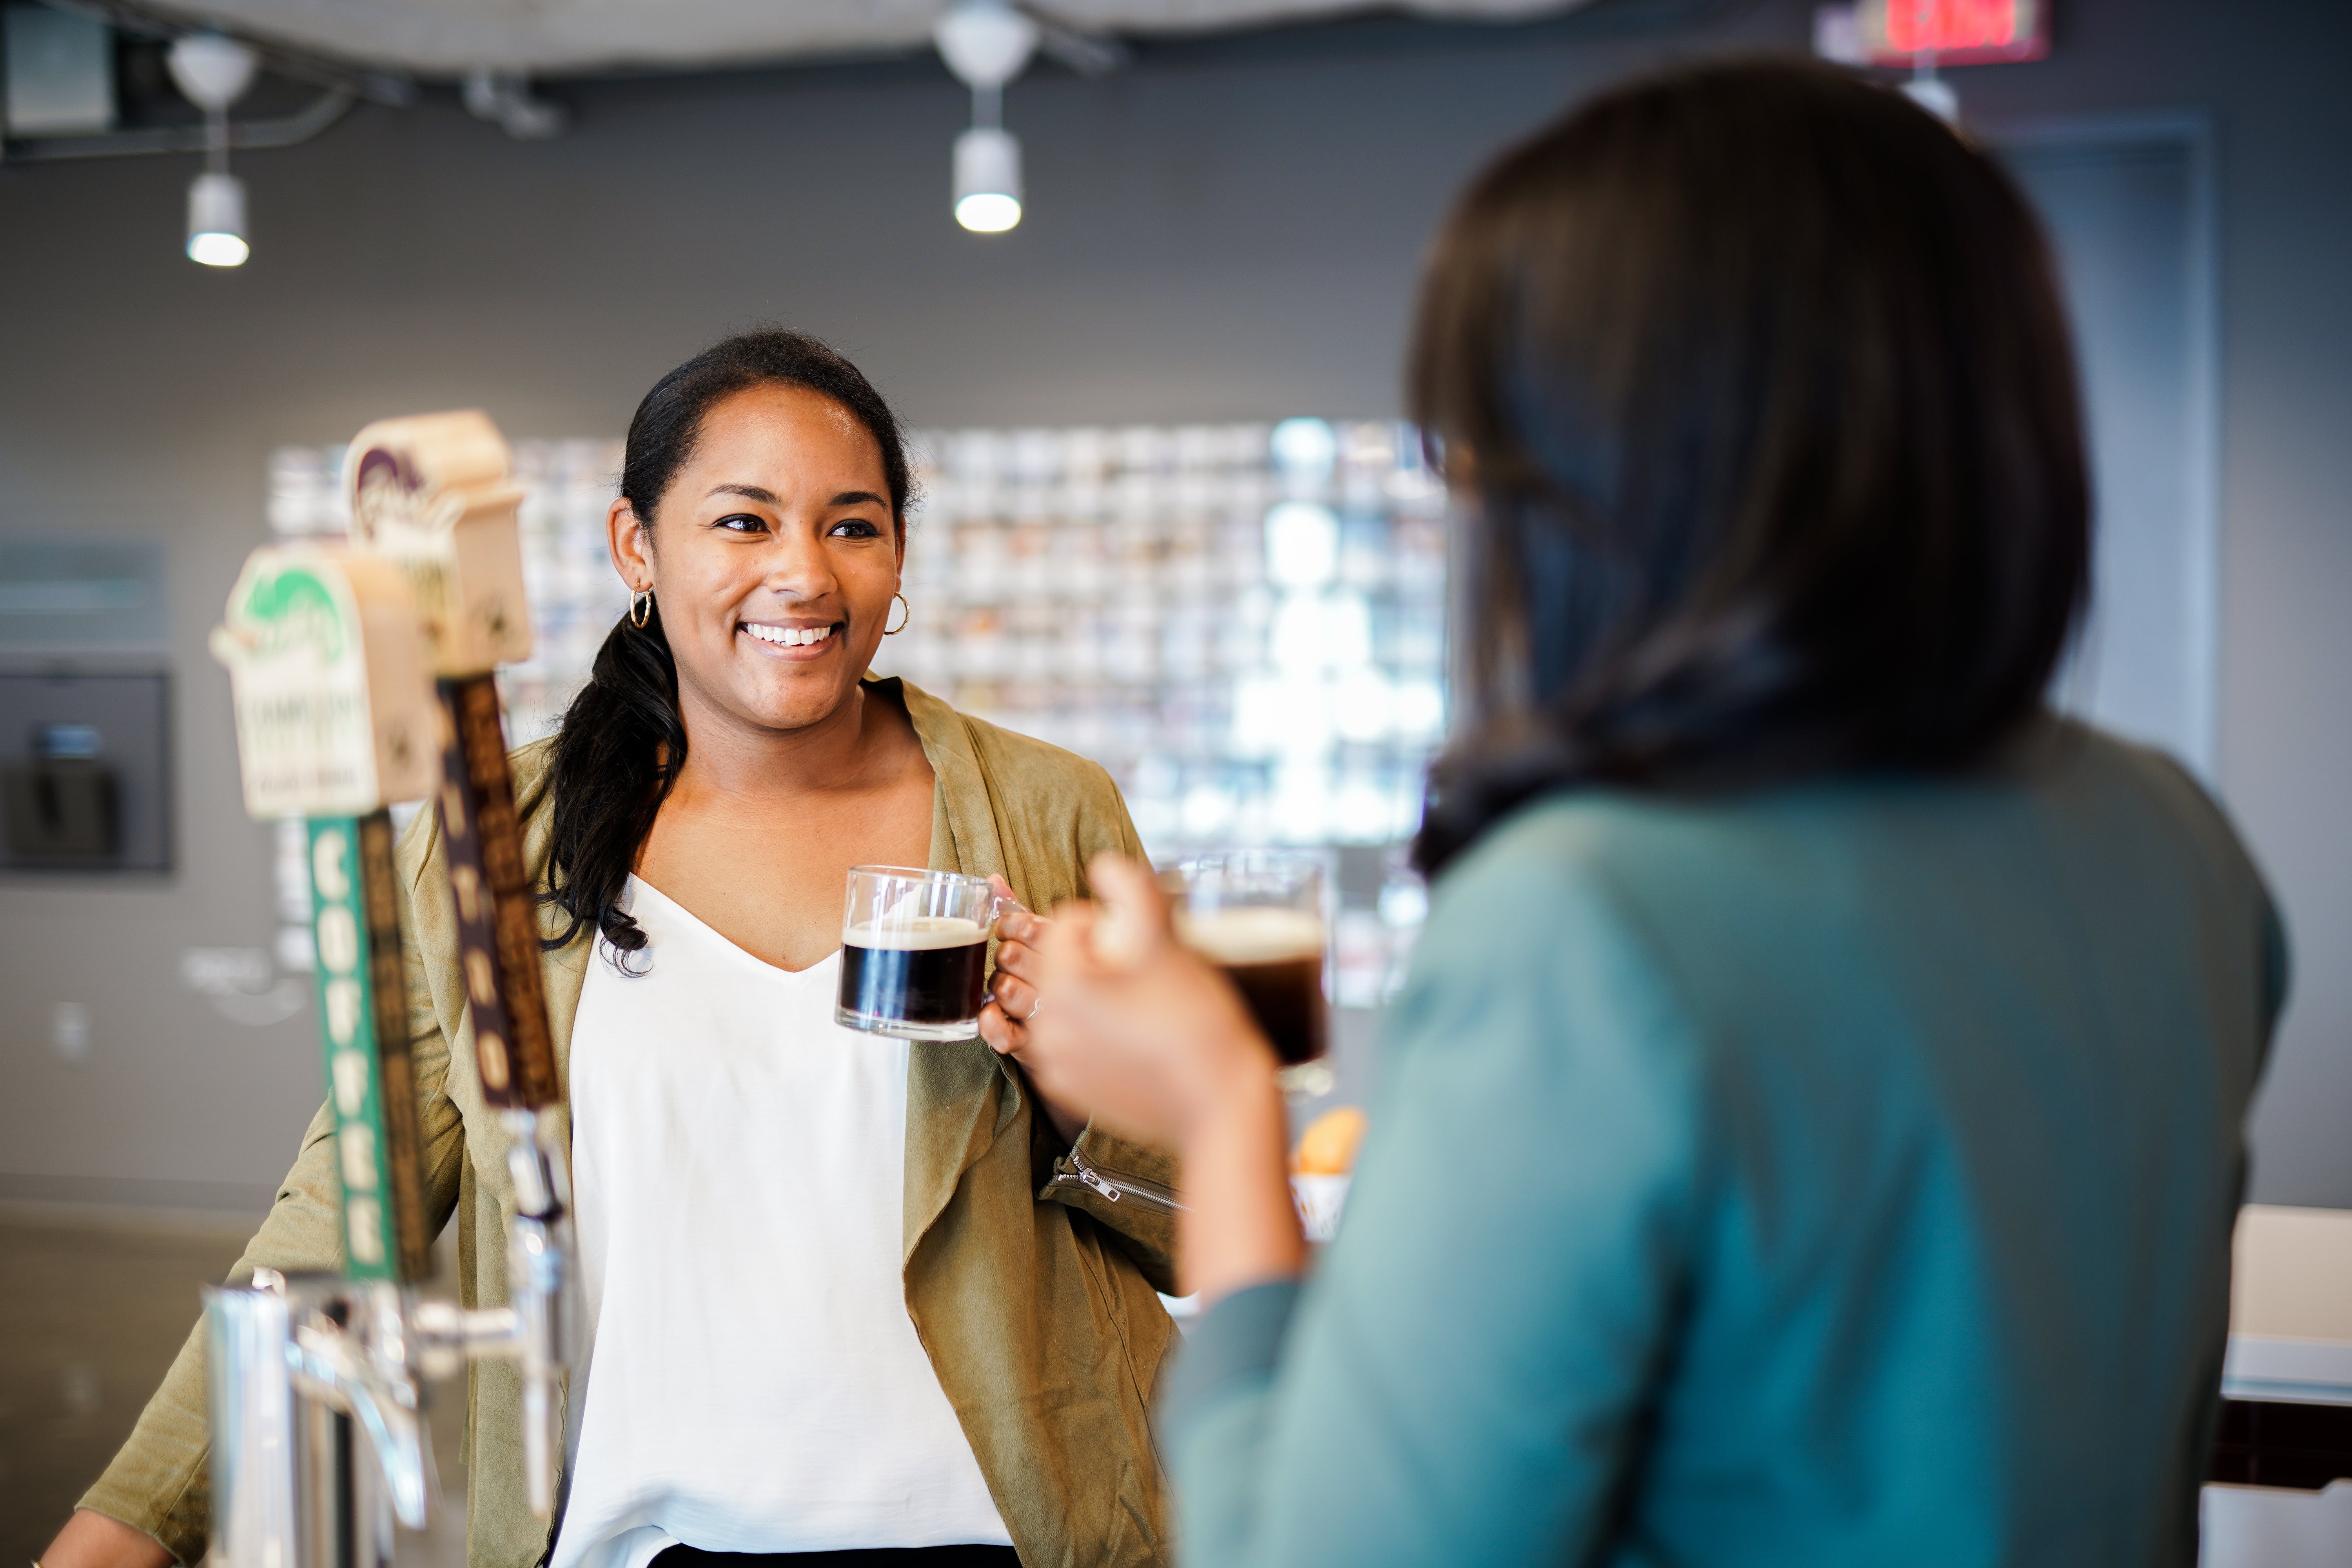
(914, 952)
(1259, 916)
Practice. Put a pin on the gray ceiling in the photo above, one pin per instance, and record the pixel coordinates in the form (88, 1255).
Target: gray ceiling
(561, 36)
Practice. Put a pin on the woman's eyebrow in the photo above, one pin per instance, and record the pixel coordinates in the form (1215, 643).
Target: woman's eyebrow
(769, 497)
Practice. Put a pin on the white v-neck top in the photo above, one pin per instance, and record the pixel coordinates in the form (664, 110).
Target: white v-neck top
(753, 1383)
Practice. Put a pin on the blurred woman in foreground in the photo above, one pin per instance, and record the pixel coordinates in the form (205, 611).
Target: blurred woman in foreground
(1812, 1129)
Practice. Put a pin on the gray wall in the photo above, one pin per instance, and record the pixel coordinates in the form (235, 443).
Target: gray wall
(1226, 230)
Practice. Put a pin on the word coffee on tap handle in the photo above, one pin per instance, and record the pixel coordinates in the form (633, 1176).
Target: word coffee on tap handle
(334, 718)
(355, 914)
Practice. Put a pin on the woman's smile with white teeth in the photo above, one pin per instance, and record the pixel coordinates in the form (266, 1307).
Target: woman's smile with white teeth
(788, 636)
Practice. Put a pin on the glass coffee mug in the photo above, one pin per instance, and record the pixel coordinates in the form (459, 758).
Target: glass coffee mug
(914, 952)
(1257, 915)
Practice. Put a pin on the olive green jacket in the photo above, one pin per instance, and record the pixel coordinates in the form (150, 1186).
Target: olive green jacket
(1033, 1298)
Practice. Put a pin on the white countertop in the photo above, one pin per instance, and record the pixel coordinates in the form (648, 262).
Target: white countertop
(2291, 1307)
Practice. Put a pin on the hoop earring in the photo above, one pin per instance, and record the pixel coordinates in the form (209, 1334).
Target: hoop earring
(641, 607)
(893, 631)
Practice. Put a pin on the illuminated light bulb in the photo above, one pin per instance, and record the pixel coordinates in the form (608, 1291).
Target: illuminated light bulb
(218, 250)
(216, 220)
(988, 212)
(987, 180)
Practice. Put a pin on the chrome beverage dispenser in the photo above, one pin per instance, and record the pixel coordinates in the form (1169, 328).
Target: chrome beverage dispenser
(346, 699)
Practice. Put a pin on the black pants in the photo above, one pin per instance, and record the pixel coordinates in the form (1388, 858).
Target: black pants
(864, 1557)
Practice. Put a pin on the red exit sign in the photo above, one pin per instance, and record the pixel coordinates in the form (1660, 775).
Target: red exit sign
(1954, 32)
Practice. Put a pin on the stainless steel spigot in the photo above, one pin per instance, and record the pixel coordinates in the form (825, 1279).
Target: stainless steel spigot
(536, 1248)
(532, 1328)
(255, 1446)
(318, 1444)
(351, 1354)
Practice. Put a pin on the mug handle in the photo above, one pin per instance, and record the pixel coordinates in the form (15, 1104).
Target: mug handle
(1000, 902)
(997, 904)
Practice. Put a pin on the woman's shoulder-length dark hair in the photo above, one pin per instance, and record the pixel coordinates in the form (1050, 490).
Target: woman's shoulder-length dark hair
(622, 741)
(1755, 385)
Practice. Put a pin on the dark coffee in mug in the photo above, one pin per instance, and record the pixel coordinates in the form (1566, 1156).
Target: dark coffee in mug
(927, 973)
(1274, 956)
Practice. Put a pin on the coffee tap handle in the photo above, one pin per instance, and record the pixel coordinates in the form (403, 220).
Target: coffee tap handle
(335, 716)
(434, 495)
(498, 920)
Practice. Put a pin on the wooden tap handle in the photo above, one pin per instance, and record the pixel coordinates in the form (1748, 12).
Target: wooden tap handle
(497, 924)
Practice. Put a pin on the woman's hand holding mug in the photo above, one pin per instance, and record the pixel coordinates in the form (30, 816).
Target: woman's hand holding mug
(1159, 1046)
(1013, 1000)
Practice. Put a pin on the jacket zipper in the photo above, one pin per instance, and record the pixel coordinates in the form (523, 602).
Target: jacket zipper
(1084, 1172)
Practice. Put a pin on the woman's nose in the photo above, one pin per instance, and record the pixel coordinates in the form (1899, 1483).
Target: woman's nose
(797, 564)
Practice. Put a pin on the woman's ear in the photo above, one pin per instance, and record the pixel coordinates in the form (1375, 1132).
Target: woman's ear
(632, 545)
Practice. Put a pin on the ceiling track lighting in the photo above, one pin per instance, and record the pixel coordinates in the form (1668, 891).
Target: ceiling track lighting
(213, 71)
(506, 100)
(986, 43)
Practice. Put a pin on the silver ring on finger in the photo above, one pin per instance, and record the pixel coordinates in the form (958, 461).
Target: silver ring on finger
(1033, 1010)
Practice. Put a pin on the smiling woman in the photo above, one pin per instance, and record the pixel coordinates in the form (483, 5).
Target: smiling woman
(712, 787)
(777, 565)
(780, 485)
(839, 1293)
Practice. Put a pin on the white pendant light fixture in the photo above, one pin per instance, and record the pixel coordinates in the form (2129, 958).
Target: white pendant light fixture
(986, 43)
(213, 72)
(216, 220)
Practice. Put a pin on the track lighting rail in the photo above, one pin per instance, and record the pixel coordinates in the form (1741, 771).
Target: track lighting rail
(279, 130)
(392, 89)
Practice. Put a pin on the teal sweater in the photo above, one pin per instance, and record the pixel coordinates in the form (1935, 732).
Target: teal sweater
(1840, 1177)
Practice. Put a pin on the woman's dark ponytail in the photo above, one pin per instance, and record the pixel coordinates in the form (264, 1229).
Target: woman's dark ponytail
(623, 741)
(617, 758)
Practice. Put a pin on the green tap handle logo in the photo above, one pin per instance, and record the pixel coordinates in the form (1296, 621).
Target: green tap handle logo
(326, 655)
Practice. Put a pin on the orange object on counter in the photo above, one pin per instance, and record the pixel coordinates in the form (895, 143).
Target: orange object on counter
(1327, 1147)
